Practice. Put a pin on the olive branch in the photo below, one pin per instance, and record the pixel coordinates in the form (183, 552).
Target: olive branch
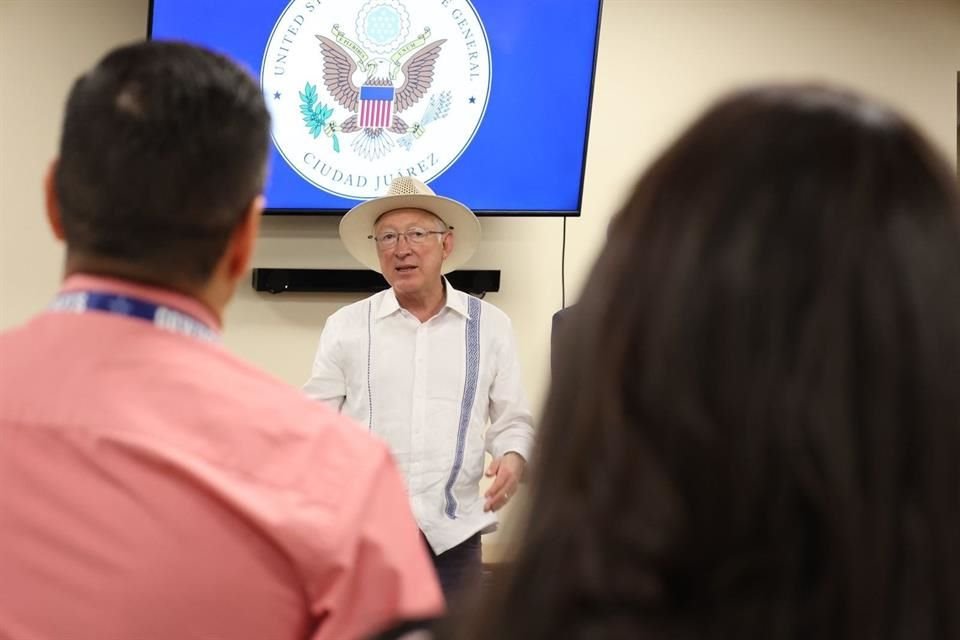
(315, 114)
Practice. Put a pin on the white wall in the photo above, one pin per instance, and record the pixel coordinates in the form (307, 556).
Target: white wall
(660, 62)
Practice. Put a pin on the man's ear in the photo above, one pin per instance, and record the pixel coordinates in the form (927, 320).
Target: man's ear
(245, 238)
(52, 202)
(447, 244)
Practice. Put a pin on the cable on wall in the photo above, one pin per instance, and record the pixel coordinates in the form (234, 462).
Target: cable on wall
(563, 259)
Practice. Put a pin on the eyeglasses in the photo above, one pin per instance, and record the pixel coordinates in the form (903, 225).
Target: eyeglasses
(415, 235)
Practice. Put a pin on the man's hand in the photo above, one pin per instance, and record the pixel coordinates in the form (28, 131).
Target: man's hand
(508, 470)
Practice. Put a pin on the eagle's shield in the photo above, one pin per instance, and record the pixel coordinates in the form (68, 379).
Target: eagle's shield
(375, 108)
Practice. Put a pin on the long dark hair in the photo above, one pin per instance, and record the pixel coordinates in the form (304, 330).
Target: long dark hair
(754, 431)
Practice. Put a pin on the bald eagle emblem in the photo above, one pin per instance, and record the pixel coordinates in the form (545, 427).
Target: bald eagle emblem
(362, 91)
(376, 90)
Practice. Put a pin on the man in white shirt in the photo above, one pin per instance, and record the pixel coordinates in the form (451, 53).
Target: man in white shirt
(427, 367)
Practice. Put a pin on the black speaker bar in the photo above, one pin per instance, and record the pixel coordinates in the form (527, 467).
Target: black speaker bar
(360, 280)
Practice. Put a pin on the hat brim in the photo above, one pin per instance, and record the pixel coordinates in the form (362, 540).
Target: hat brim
(356, 227)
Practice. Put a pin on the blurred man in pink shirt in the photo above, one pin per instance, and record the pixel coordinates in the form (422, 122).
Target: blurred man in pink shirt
(152, 486)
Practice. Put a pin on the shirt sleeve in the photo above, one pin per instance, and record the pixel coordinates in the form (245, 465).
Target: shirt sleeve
(327, 380)
(388, 577)
(511, 424)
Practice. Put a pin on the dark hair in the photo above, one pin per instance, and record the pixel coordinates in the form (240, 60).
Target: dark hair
(164, 145)
(755, 428)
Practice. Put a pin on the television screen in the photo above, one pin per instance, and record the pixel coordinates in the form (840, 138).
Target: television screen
(488, 101)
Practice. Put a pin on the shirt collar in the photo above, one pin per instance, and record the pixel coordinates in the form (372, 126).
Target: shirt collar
(455, 301)
(166, 297)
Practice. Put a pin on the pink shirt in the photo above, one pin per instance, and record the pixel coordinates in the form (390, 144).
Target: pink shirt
(153, 486)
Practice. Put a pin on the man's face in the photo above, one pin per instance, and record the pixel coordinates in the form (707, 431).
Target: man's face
(411, 267)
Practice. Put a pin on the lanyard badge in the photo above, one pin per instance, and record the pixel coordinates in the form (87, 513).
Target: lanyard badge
(159, 315)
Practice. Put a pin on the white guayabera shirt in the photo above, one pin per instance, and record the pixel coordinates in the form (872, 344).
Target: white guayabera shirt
(440, 393)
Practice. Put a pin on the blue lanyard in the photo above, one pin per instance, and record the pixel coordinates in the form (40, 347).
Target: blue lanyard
(158, 315)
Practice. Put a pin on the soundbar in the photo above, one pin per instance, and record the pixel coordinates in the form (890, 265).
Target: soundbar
(477, 282)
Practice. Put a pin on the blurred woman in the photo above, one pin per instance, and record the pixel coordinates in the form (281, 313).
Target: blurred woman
(754, 431)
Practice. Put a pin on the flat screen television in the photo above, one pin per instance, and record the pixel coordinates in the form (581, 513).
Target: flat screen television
(488, 101)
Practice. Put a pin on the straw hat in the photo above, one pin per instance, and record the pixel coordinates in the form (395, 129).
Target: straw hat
(405, 192)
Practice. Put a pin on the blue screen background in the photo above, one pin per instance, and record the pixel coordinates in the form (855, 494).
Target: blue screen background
(527, 156)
